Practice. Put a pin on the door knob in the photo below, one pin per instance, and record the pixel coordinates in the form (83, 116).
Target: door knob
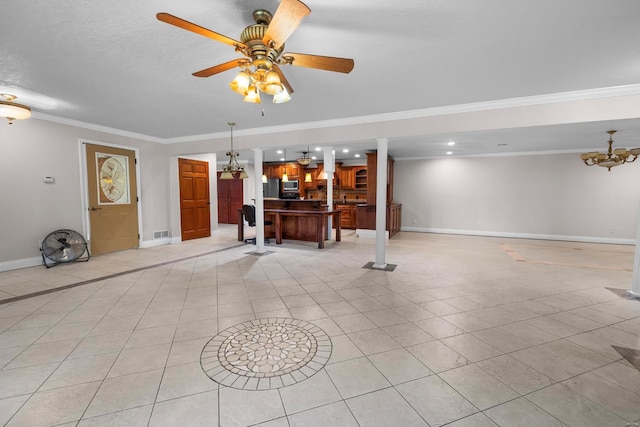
(95, 209)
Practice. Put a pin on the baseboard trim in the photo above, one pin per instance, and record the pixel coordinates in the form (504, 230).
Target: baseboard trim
(369, 234)
(582, 239)
(17, 264)
(156, 242)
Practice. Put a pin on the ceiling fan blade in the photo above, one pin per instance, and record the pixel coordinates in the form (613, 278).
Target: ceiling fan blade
(216, 69)
(283, 79)
(285, 21)
(328, 63)
(194, 28)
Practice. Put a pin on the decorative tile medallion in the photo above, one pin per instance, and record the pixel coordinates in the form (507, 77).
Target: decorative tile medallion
(266, 354)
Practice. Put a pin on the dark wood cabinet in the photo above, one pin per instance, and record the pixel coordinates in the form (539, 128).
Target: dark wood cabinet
(271, 170)
(348, 215)
(347, 177)
(372, 178)
(276, 170)
(360, 178)
(366, 218)
(366, 214)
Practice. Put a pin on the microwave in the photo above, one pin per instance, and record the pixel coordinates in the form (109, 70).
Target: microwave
(290, 185)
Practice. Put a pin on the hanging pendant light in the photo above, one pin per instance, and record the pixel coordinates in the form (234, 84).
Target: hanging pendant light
(284, 177)
(233, 167)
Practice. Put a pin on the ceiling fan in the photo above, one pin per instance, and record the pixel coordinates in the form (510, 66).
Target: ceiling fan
(262, 44)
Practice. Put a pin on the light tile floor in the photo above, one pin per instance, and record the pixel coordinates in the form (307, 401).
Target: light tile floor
(461, 334)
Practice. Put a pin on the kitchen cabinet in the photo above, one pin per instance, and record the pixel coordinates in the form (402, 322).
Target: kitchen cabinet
(360, 177)
(372, 168)
(271, 170)
(292, 170)
(347, 177)
(347, 216)
(275, 170)
(366, 218)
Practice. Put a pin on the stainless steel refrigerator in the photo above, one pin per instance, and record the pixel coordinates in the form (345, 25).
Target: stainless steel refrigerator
(271, 188)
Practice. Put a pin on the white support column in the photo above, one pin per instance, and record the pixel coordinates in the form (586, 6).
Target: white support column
(329, 168)
(257, 170)
(635, 282)
(381, 203)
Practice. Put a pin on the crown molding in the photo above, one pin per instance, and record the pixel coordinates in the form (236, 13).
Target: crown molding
(98, 128)
(579, 95)
(526, 101)
(509, 154)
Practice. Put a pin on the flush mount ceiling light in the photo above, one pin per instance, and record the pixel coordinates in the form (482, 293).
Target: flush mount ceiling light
(612, 157)
(11, 110)
(233, 167)
(262, 44)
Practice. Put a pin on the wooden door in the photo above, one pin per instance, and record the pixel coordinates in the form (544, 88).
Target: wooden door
(230, 199)
(113, 199)
(195, 217)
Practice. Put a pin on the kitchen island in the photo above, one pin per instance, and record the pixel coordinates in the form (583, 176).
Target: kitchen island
(305, 220)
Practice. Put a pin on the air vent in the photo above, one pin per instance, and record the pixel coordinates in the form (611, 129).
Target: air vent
(160, 234)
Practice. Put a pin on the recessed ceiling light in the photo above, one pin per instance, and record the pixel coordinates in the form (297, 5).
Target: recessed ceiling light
(356, 155)
(318, 148)
(346, 150)
(449, 153)
(279, 151)
(313, 157)
(450, 143)
(282, 159)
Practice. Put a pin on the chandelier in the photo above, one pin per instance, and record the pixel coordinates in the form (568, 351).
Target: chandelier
(229, 171)
(612, 157)
(11, 110)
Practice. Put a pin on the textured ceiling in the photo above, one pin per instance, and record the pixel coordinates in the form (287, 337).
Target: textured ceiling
(111, 63)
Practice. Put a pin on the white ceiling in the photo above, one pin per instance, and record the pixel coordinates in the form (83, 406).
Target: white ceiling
(111, 63)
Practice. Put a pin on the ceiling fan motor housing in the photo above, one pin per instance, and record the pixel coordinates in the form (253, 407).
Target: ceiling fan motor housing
(256, 49)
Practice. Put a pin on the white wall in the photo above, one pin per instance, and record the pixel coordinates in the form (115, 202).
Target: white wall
(546, 196)
(31, 209)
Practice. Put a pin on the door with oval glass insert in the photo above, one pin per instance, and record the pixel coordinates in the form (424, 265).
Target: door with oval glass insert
(113, 199)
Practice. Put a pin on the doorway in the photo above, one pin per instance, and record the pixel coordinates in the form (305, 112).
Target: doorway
(195, 221)
(230, 199)
(112, 198)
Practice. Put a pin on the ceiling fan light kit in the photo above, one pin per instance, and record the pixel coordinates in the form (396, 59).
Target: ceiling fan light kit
(262, 44)
(612, 157)
(11, 110)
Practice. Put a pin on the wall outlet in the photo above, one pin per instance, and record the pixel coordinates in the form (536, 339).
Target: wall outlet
(612, 230)
(415, 221)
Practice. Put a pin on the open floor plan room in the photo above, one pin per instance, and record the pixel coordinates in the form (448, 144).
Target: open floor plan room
(467, 331)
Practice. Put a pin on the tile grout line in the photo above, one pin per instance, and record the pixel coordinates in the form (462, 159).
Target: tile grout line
(110, 276)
